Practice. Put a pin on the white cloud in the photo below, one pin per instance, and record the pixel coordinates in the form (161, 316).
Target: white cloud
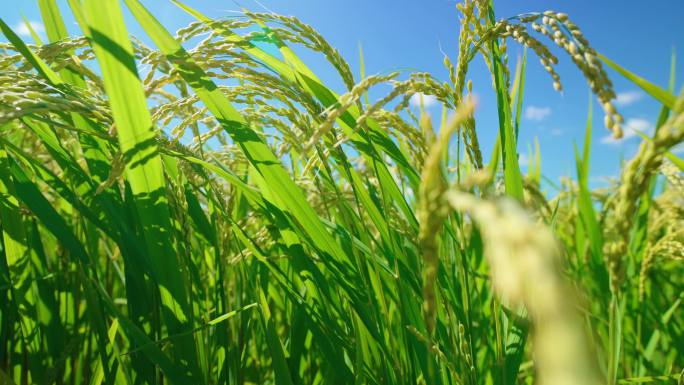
(537, 113)
(556, 132)
(428, 100)
(22, 29)
(523, 160)
(628, 97)
(630, 129)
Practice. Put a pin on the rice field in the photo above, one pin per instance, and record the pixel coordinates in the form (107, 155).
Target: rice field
(204, 210)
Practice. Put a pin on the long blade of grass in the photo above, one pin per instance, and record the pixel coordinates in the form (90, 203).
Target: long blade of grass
(255, 149)
(296, 71)
(144, 172)
(663, 96)
(512, 175)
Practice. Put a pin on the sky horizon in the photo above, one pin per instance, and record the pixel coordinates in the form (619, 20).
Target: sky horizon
(412, 36)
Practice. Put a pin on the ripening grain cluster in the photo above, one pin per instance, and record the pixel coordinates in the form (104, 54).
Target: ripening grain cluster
(207, 211)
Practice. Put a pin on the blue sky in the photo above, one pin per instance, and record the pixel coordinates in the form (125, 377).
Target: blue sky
(411, 35)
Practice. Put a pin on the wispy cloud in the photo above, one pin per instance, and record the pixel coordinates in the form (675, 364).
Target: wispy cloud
(602, 180)
(427, 100)
(537, 113)
(630, 129)
(556, 132)
(678, 149)
(523, 160)
(22, 29)
(628, 97)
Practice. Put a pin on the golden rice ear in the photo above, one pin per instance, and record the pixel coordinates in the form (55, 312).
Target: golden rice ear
(345, 102)
(566, 35)
(432, 209)
(673, 175)
(526, 273)
(635, 178)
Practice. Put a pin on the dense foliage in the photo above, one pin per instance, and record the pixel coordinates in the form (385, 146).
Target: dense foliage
(207, 211)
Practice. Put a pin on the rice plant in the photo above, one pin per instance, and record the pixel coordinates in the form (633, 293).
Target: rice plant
(208, 211)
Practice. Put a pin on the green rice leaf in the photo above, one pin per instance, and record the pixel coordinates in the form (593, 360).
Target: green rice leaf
(661, 95)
